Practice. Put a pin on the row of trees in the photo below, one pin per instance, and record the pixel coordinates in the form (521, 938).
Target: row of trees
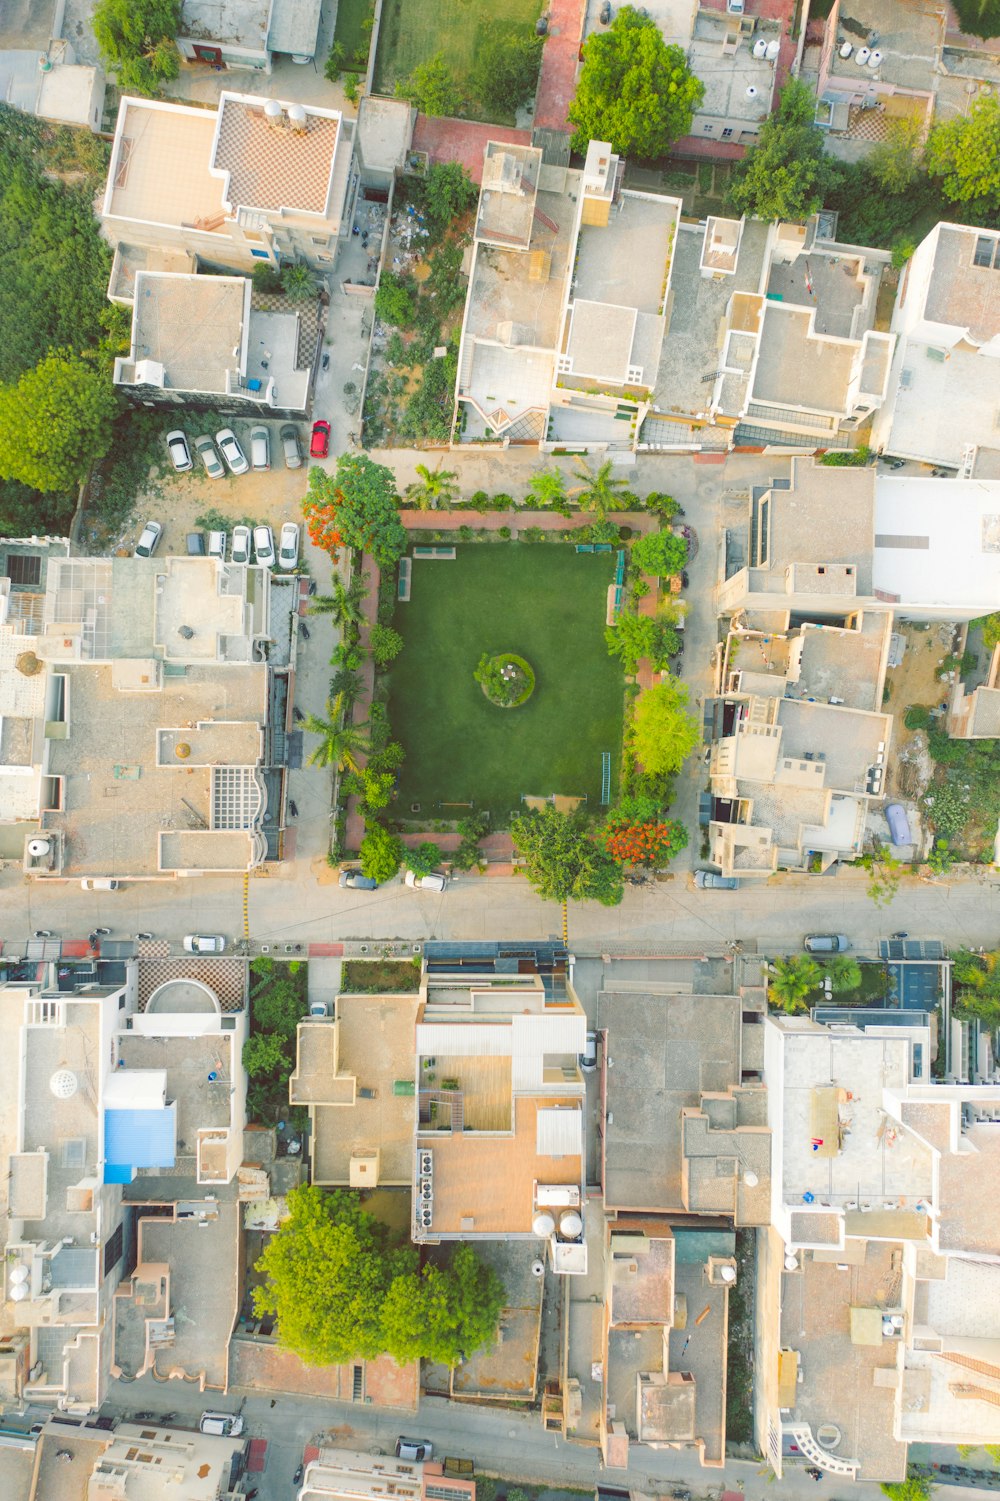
(344, 1287)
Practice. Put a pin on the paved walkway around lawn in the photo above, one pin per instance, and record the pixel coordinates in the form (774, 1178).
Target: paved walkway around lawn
(464, 141)
(560, 60)
(519, 521)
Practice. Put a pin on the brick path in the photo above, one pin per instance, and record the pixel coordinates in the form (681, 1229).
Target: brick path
(560, 60)
(492, 521)
(355, 823)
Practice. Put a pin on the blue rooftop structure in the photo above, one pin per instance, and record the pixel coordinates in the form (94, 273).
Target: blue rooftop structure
(138, 1138)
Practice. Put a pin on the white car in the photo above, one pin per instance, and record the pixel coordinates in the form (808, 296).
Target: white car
(204, 943)
(180, 454)
(288, 552)
(241, 544)
(150, 539)
(432, 882)
(217, 545)
(290, 447)
(225, 1424)
(263, 546)
(231, 451)
(205, 449)
(260, 448)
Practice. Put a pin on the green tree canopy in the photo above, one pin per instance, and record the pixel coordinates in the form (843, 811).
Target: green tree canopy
(978, 17)
(506, 69)
(55, 422)
(665, 732)
(136, 38)
(443, 1314)
(895, 163)
(394, 300)
(660, 553)
(965, 154)
(447, 192)
(433, 487)
(844, 972)
(381, 853)
(278, 1006)
(915, 1487)
(432, 87)
(363, 495)
(343, 1287)
(785, 174)
(635, 636)
(265, 1053)
(634, 90)
(792, 981)
(342, 743)
(562, 859)
(386, 644)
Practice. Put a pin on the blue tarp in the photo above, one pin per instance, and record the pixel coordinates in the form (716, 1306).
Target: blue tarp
(138, 1138)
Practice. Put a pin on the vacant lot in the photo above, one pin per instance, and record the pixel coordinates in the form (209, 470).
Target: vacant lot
(411, 31)
(546, 603)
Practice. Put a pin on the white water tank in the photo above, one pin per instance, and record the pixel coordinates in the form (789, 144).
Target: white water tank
(272, 111)
(297, 116)
(19, 1274)
(19, 1292)
(846, 48)
(39, 847)
(773, 48)
(570, 1224)
(874, 59)
(759, 47)
(791, 1263)
(862, 55)
(750, 1178)
(727, 1273)
(543, 1224)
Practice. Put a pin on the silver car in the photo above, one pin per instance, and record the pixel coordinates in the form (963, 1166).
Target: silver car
(231, 450)
(204, 943)
(150, 539)
(290, 448)
(205, 449)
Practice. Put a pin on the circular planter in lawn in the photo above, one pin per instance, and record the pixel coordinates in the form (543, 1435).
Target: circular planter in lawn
(509, 679)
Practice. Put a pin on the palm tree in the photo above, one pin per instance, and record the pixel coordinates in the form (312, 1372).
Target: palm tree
(342, 744)
(548, 487)
(597, 491)
(344, 605)
(845, 974)
(298, 281)
(435, 487)
(791, 981)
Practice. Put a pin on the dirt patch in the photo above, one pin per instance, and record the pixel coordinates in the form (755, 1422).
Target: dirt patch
(915, 681)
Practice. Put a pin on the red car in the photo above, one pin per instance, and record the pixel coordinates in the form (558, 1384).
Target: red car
(319, 445)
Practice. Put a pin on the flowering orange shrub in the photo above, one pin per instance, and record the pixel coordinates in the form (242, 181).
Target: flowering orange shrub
(651, 843)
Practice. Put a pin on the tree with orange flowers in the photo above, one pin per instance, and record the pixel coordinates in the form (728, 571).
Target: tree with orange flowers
(355, 507)
(636, 833)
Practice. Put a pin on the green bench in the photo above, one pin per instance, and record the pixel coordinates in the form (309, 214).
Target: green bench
(445, 553)
(403, 586)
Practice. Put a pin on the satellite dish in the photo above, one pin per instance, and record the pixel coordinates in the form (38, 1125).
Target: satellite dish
(63, 1084)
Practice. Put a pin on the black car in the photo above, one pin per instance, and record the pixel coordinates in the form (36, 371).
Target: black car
(605, 17)
(196, 544)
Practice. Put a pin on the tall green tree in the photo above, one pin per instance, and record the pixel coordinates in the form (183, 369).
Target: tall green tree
(792, 981)
(447, 192)
(634, 90)
(548, 487)
(432, 87)
(362, 495)
(635, 636)
(137, 41)
(344, 605)
(342, 744)
(562, 859)
(978, 17)
(660, 553)
(965, 154)
(443, 1314)
(785, 175)
(433, 487)
(844, 972)
(506, 69)
(598, 490)
(896, 162)
(381, 853)
(664, 732)
(55, 422)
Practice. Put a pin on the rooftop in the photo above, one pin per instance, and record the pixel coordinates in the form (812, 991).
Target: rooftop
(798, 369)
(666, 1055)
(507, 198)
(937, 541)
(641, 1276)
(827, 516)
(190, 1062)
(203, 1261)
(835, 286)
(194, 326)
(845, 664)
(846, 743)
(294, 27)
(925, 392)
(908, 35)
(508, 1368)
(275, 165)
(160, 165)
(738, 86)
(241, 23)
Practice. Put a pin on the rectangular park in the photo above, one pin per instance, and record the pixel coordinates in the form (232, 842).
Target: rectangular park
(544, 603)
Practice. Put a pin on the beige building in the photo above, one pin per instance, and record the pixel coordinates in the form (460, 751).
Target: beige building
(254, 181)
(149, 738)
(879, 1276)
(135, 1462)
(346, 1475)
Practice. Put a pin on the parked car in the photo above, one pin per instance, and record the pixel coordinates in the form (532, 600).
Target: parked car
(206, 451)
(99, 883)
(263, 546)
(414, 1448)
(288, 550)
(319, 446)
(713, 881)
(180, 453)
(196, 544)
(359, 882)
(826, 943)
(605, 16)
(432, 882)
(241, 544)
(319, 1010)
(260, 448)
(290, 447)
(204, 943)
(588, 1058)
(217, 545)
(226, 1424)
(231, 450)
(899, 824)
(150, 539)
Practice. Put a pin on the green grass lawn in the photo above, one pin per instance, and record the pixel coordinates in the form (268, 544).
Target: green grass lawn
(411, 31)
(545, 602)
(350, 32)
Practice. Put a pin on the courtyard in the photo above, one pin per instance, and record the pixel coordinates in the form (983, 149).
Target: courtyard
(545, 602)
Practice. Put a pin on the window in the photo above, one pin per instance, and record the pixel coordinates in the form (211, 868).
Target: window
(261, 255)
(984, 253)
(23, 569)
(113, 1249)
(727, 133)
(707, 129)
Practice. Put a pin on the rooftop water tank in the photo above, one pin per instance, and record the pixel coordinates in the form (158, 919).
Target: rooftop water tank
(846, 48)
(727, 1273)
(538, 1268)
(38, 847)
(570, 1224)
(773, 48)
(874, 59)
(543, 1224)
(751, 92)
(862, 55)
(759, 47)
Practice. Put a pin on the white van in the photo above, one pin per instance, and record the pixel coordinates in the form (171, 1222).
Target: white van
(99, 883)
(217, 545)
(227, 1424)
